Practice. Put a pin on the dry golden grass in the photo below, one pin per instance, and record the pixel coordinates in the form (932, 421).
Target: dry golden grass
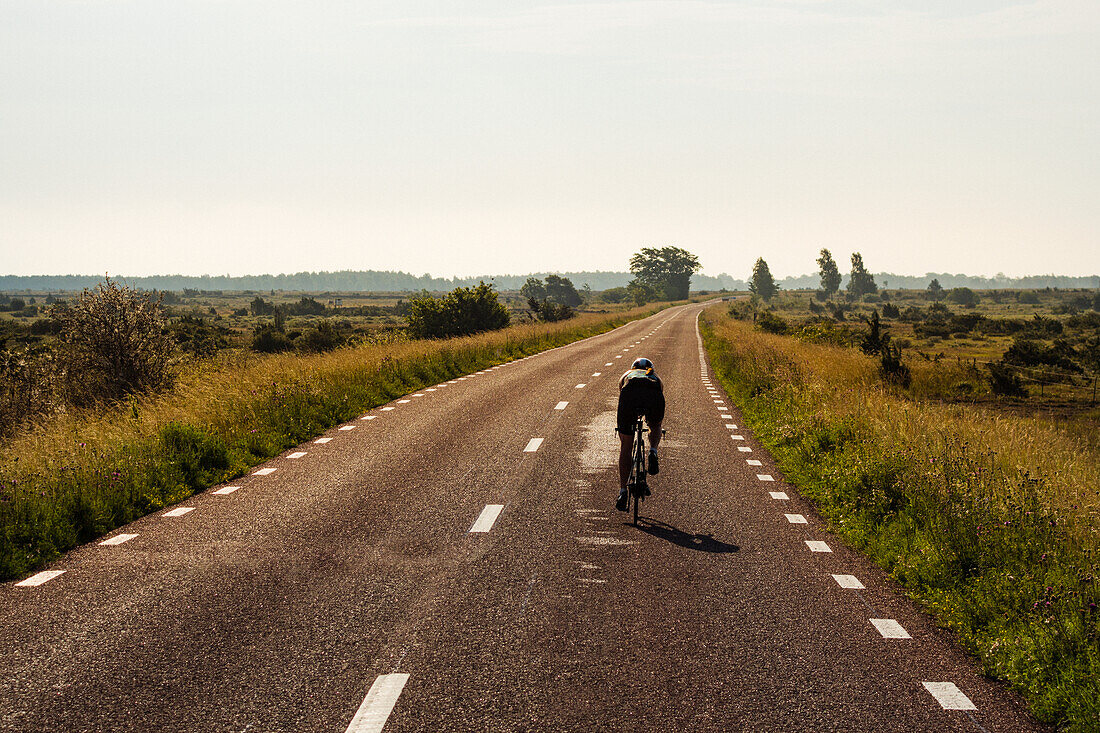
(846, 383)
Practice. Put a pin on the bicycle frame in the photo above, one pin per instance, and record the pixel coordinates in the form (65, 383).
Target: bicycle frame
(638, 467)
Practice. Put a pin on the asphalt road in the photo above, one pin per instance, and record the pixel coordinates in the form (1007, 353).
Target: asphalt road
(346, 590)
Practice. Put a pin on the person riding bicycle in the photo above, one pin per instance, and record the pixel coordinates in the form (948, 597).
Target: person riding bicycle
(640, 393)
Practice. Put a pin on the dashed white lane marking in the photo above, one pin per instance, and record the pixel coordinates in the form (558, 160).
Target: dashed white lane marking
(487, 518)
(297, 454)
(949, 696)
(226, 490)
(889, 628)
(817, 546)
(753, 462)
(461, 379)
(765, 477)
(368, 417)
(403, 402)
(178, 511)
(726, 417)
(419, 394)
(591, 580)
(795, 518)
(580, 386)
(607, 364)
(387, 409)
(560, 405)
(738, 437)
(847, 581)
(118, 539)
(596, 374)
(731, 426)
(744, 449)
(620, 356)
(351, 427)
(431, 389)
(39, 578)
(778, 495)
(533, 445)
(264, 472)
(372, 715)
(322, 441)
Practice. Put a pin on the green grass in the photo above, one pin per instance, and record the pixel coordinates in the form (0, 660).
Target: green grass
(81, 475)
(990, 523)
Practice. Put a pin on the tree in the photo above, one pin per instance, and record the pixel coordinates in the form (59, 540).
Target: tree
(762, 283)
(829, 272)
(461, 312)
(667, 271)
(860, 282)
(935, 290)
(561, 291)
(534, 289)
(113, 343)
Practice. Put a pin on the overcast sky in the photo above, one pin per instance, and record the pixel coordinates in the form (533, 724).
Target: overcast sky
(511, 136)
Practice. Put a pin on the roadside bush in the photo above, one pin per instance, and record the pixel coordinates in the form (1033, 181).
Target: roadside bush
(113, 342)
(771, 323)
(614, 295)
(462, 312)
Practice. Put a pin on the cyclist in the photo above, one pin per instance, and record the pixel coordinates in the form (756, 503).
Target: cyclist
(640, 393)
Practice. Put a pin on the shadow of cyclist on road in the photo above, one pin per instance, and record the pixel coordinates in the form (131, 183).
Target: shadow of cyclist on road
(700, 542)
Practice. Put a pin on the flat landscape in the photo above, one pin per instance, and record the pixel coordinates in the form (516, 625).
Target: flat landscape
(451, 560)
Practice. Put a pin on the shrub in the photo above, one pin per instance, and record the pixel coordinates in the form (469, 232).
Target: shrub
(889, 310)
(964, 297)
(1005, 381)
(196, 336)
(268, 339)
(462, 312)
(323, 337)
(771, 323)
(614, 295)
(113, 343)
(549, 311)
(1027, 297)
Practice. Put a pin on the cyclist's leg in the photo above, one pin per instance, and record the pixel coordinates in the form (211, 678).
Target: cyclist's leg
(654, 416)
(626, 446)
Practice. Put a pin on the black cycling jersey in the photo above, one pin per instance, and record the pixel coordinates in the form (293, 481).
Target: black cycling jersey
(640, 393)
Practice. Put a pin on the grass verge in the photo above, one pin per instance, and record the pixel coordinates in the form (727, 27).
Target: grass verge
(989, 521)
(84, 474)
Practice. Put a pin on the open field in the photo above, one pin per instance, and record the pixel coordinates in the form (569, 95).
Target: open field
(989, 516)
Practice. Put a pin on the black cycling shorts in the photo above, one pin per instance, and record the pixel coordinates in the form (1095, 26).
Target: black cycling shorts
(639, 397)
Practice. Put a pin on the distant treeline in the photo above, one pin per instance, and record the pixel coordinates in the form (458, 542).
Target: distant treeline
(346, 281)
(891, 281)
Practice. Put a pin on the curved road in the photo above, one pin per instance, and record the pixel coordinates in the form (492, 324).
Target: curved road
(452, 561)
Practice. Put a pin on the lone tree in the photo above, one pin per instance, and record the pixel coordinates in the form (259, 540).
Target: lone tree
(860, 282)
(829, 272)
(667, 270)
(113, 343)
(763, 284)
(935, 290)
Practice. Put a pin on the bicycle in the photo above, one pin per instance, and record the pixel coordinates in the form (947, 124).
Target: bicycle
(637, 486)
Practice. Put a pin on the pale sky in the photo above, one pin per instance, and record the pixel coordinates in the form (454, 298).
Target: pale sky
(512, 136)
